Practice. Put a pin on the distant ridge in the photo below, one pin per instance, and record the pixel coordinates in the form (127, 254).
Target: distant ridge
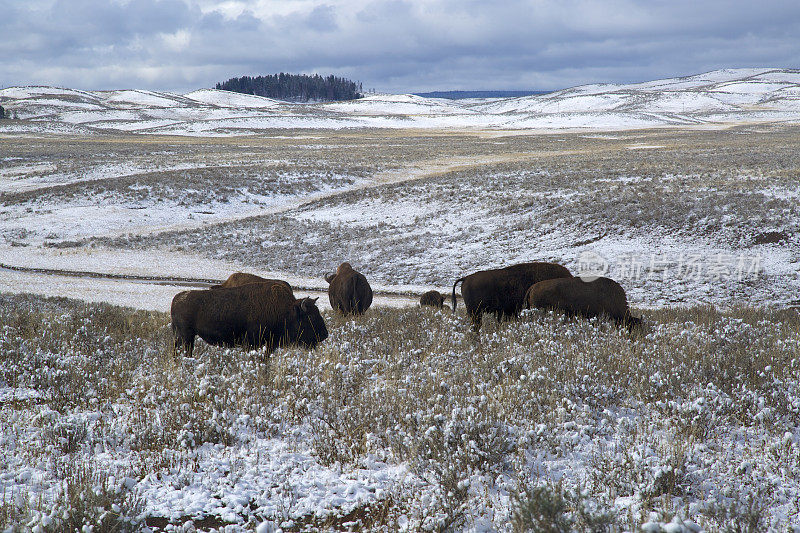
(459, 95)
(716, 98)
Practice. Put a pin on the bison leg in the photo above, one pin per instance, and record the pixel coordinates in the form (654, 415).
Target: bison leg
(261, 337)
(183, 339)
(505, 315)
(630, 321)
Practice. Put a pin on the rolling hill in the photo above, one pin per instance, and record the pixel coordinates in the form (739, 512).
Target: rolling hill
(716, 98)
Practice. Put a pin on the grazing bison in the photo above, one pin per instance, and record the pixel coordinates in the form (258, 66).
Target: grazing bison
(574, 296)
(348, 290)
(237, 279)
(432, 298)
(252, 315)
(502, 291)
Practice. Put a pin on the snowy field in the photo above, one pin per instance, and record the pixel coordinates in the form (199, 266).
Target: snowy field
(679, 217)
(687, 191)
(402, 420)
(718, 97)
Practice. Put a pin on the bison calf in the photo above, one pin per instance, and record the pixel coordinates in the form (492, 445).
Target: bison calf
(237, 279)
(432, 298)
(574, 296)
(502, 291)
(348, 291)
(253, 315)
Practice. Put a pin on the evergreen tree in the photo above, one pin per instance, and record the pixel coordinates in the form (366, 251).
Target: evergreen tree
(295, 87)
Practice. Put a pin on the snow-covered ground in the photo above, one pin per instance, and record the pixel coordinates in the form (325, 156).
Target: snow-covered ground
(402, 418)
(717, 98)
(671, 238)
(401, 421)
(149, 280)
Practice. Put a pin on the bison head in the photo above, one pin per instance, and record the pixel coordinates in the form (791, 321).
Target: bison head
(311, 328)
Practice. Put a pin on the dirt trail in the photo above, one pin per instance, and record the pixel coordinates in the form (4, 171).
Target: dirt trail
(149, 282)
(411, 172)
(153, 293)
(108, 276)
(97, 274)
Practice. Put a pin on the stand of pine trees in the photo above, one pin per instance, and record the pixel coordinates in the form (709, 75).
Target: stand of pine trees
(295, 87)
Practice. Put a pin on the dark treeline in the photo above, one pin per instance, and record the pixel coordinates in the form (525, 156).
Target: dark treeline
(295, 87)
(7, 113)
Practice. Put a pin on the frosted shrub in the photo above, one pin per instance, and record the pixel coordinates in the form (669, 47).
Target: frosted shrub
(403, 418)
(89, 499)
(553, 509)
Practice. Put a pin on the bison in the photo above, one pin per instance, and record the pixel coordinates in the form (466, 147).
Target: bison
(237, 279)
(574, 296)
(253, 315)
(349, 291)
(502, 291)
(432, 298)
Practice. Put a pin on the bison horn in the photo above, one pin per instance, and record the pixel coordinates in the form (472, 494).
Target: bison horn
(304, 304)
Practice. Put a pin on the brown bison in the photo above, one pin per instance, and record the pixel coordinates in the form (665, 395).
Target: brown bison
(253, 315)
(348, 290)
(574, 296)
(432, 298)
(502, 291)
(237, 279)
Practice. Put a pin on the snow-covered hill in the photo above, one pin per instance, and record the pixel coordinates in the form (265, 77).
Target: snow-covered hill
(714, 98)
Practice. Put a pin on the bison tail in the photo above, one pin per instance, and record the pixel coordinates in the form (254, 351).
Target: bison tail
(459, 280)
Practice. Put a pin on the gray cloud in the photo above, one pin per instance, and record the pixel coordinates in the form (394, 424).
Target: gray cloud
(392, 45)
(322, 18)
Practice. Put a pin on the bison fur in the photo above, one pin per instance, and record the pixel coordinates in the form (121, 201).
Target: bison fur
(501, 291)
(432, 298)
(348, 291)
(237, 279)
(574, 296)
(252, 315)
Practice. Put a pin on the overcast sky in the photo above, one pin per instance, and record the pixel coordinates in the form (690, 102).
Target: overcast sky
(389, 45)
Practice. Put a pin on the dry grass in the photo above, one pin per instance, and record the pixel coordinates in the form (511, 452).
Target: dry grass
(638, 414)
(554, 192)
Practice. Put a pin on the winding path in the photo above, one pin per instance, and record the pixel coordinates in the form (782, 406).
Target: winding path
(138, 281)
(152, 293)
